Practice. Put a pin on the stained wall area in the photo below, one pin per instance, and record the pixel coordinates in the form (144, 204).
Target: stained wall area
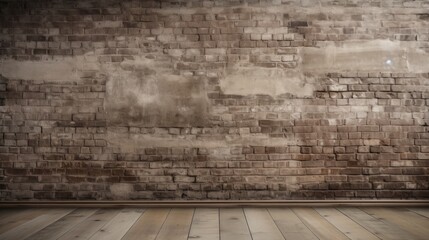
(248, 99)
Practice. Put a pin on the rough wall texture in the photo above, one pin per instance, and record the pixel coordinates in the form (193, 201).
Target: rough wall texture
(249, 99)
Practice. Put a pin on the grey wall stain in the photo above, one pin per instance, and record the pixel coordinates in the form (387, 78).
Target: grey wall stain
(130, 143)
(146, 93)
(141, 92)
(248, 79)
(120, 190)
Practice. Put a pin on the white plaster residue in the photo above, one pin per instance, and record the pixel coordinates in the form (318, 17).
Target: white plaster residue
(130, 143)
(40, 70)
(252, 80)
(66, 69)
(126, 82)
(368, 55)
(143, 63)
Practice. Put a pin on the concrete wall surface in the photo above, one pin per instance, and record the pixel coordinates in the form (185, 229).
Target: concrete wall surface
(204, 99)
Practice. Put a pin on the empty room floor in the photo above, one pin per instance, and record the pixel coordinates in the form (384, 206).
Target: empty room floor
(215, 223)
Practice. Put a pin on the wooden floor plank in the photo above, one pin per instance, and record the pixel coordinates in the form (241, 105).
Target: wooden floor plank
(119, 225)
(262, 225)
(409, 221)
(58, 228)
(148, 225)
(9, 212)
(177, 224)
(213, 224)
(205, 225)
(233, 224)
(28, 228)
(346, 225)
(290, 225)
(380, 228)
(421, 211)
(17, 218)
(89, 226)
(318, 225)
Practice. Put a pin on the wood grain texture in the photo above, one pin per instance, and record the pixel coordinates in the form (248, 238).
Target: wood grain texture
(409, 221)
(9, 212)
(290, 225)
(148, 225)
(233, 224)
(205, 225)
(378, 227)
(421, 211)
(34, 225)
(9, 222)
(89, 226)
(119, 225)
(63, 225)
(262, 225)
(349, 227)
(318, 225)
(177, 224)
(216, 224)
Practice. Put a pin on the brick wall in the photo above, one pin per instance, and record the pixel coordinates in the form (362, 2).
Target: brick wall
(249, 99)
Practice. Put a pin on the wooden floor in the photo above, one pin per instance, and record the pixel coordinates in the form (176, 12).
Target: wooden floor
(213, 223)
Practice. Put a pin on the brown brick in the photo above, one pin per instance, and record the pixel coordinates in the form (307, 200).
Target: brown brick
(354, 134)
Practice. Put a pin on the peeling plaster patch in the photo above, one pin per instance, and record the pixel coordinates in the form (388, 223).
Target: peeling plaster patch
(142, 92)
(68, 69)
(374, 55)
(304, 9)
(417, 61)
(132, 142)
(146, 93)
(121, 190)
(252, 80)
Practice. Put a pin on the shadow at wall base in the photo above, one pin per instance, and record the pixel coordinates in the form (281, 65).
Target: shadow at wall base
(220, 203)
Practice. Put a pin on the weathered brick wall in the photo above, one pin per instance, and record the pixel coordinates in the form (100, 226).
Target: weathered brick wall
(249, 99)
